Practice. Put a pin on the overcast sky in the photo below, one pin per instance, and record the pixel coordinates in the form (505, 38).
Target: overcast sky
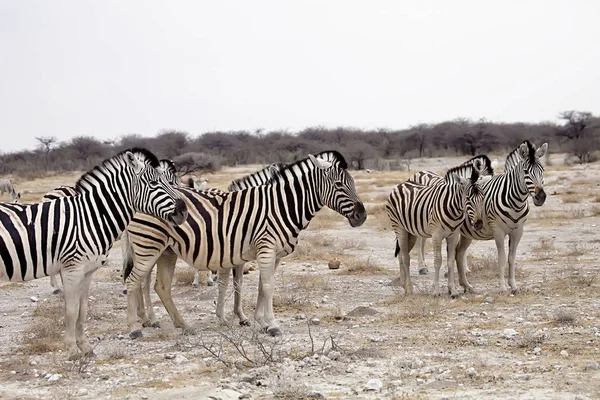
(108, 68)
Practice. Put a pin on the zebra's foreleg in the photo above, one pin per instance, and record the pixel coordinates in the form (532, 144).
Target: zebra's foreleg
(145, 309)
(451, 243)
(421, 255)
(437, 261)
(164, 280)
(513, 242)
(223, 284)
(238, 278)
(80, 337)
(461, 261)
(404, 239)
(267, 263)
(499, 239)
(72, 286)
(54, 284)
(196, 282)
(135, 296)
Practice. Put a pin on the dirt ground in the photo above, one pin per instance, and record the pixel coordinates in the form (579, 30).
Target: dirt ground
(347, 333)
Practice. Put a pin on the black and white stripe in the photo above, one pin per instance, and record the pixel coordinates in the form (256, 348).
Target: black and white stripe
(225, 230)
(435, 211)
(506, 208)
(69, 235)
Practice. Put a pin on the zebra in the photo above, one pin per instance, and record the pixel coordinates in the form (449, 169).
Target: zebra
(71, 234)
(255, 179)
(165, 166)
(435, 211)
(426, 178)
(6, 186)
(225, 230)
(506, 208)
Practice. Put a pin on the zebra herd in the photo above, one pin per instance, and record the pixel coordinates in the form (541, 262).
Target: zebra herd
(259, 218)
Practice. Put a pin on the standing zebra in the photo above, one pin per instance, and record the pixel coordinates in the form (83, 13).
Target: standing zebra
(506, 207)
(426, 178)
(435, 211)
(166, 167)
(225, 230)
(71, 234)
(148, 317)
(6, 186)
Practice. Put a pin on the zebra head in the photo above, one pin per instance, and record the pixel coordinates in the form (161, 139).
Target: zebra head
(534, 170)
(471, 176)
(336, 188)
(152, 193)
(169, 171)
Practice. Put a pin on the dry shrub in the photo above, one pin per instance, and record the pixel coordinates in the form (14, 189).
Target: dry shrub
(543, 249)
(485, 267)
(415, 307)
(576, 249)
(364, 265)
(595, 211)
(310, 282)
(575, 213)
(45, 333)
(185, 276)
(532, 339)
(564, 316)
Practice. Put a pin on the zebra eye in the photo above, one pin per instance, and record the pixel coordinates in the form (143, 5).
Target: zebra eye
(153, 184)
(338, 184)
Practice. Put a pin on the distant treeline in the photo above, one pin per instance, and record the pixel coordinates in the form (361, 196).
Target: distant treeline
(377, 149)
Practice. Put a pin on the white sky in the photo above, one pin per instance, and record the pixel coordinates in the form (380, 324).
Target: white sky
(108, 68)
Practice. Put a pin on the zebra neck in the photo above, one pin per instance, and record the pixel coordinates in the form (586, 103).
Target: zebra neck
(516, 175)
(298, 200)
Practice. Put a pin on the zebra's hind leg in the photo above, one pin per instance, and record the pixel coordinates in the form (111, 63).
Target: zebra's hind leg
(267, 263)
(164, 280)
(238, 278)
(499, 238)
(54, 284)
(74, 288)
(406, 242)
(147, 314)
(82, 342)
(513, 242)
(223, 284)
(421, 255)
(437, 261)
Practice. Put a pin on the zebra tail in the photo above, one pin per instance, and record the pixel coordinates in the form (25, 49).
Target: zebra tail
(127, 256)
(397, 249)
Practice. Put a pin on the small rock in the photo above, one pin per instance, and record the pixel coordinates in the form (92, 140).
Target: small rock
(482, 342)
(471, 373)
(13, 372)
(334, 264)
(362, 312)
(315, 395)
(300, 317)
(334, 355)
(170, 356)
(54, 378)
(105, 377)
(537, 351)
(374, 385)
(34, 299)
(144, 397)
(179, 359)
(509, 333)
(592, 365)
(315, 321)
(489, 299)
(82, 392)
(461, 314)
(564, 353)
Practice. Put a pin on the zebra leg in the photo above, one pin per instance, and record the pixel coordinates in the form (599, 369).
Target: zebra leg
(210, 279)
(72, 278)
(196, 282)
(267, 263)
(451, 243)
(54, 284)
(437, 261)
(147, 314)
(404, 241)
(84, 291)
(164, 280)
(513, 242)
(223, 284)
(499, 238)
(461, 261)
(238, 277)
(138, 275)
(421, 255)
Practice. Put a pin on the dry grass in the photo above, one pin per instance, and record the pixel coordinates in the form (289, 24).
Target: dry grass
(571, 198)
(362, 266)
(185, 276)
(416, 307)
(564, 317)
(45, 333)
(484, 267)
(544, 248)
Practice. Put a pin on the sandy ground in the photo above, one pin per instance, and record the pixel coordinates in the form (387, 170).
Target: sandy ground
(347, 332)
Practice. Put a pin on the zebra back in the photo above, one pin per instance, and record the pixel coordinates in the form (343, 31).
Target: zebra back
(257, 178)
(486, 170)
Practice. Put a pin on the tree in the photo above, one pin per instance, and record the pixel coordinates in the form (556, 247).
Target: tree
(418, 137)
(46, 143)
(581, 132)
(358, 152)
(189, 163)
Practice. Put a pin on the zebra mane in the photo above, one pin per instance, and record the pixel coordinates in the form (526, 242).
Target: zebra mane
(144, 155)
(487, 164)
(333, 156)
(258, 178)
(516, 155)
(168, 165)
(464, 170)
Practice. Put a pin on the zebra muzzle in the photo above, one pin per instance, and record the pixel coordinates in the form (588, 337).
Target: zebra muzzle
(478, 225)
(358, 215)
(539, 197)
(180, 214)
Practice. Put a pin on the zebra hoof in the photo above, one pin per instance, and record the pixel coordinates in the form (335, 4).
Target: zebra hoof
(56, 291)
(445, 274)
(210, 282)
(189, 331)
(423, 271)
(124, 291)
(155, 324)
(195, 285)
(274, 331)
(245, 322)
(514, 291)
(136, 334)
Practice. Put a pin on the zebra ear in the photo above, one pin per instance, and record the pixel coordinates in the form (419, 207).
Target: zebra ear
(524, 151)
(202, 185)
(319, 162)
(495, 163)
(133, 162)
(478, 165)
(539, 153)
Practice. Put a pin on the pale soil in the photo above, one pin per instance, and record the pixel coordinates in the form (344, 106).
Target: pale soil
(419, 347)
